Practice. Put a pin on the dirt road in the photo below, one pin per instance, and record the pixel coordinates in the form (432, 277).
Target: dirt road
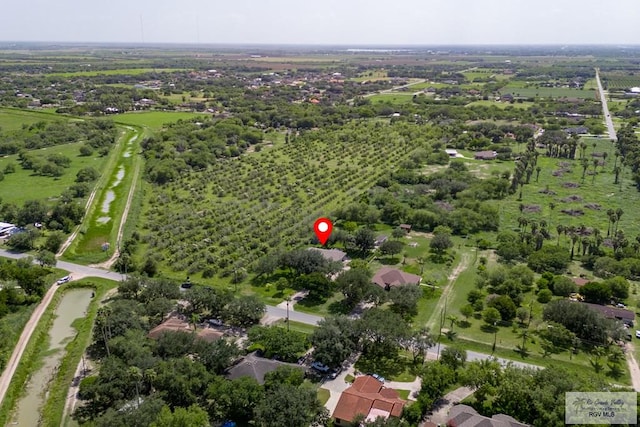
(634, 370)
(465, 261)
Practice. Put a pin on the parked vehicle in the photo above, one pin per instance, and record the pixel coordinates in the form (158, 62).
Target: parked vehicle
(215, 322)
(320, 367)
(64, 280)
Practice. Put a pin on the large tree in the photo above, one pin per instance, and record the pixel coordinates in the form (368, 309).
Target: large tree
(404, 299)
(335, 339)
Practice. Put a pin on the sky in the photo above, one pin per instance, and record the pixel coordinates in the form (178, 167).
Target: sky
(326, 22)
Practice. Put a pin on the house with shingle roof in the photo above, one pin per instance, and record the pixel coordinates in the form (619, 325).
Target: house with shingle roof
(256, 367)
(331, 254)
(466, 416)
(388, 277)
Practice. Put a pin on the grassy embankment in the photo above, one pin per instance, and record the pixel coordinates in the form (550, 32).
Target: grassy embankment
(102, 219)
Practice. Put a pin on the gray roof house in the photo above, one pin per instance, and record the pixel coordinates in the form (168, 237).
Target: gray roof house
(466, 416)
(255, 367)
(331, 254)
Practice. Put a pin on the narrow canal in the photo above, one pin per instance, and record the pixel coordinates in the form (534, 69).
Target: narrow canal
(73, 305)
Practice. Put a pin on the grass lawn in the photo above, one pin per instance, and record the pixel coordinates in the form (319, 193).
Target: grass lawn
(24, 185)
(501, 105)
(349, 378)
(404, 394)
(323, 395)
(395, 98)
(295, 326)
(331, 306)
(580, 362)
(519, 88)
(567, 191)
(154, 119)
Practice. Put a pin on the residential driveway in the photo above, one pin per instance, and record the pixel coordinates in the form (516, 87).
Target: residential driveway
(336, 387)
(413, 387)
(439, 416)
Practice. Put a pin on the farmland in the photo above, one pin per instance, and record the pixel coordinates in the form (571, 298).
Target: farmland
(532, 90)
(619, 82)
(116, 72)
(244, 207)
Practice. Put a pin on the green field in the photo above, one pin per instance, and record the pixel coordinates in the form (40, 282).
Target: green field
(395, 98)
(528, 90)
(598, 191)
(120, 71)
(154, 119)
(501, 105)
(24, 185)
(13, 119)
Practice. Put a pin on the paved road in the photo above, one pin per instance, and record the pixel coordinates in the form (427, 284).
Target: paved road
(605, 109)
(432, 353)
(78, 271)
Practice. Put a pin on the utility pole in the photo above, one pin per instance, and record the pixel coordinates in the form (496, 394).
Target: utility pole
(288, 299)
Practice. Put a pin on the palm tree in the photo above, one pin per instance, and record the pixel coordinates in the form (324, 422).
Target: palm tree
(136, 374)
(453, 319)
(560, 229)
(619, 213)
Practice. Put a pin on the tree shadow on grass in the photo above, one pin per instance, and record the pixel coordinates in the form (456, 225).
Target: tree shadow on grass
(389, 261)
(464, 324)
(338, 307)
(490, 329)
(310, 303)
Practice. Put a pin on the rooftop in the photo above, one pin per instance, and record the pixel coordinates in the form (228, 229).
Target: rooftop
(176, 324)
(331, 254)
(466, 416)
(388, 277)
(255, 367)
(369, 397)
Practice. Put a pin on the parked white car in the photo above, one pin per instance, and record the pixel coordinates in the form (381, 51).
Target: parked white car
(64, 280)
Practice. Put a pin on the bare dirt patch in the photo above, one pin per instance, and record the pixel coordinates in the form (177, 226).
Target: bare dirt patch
(570, 185)
(531, 209)
(594, 206)
(573, 212)
(571, 199)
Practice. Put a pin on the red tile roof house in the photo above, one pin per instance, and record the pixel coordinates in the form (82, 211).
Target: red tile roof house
(388, 277)
(367, 397)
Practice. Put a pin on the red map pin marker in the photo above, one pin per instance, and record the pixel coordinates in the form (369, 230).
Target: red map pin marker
(323, 227)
